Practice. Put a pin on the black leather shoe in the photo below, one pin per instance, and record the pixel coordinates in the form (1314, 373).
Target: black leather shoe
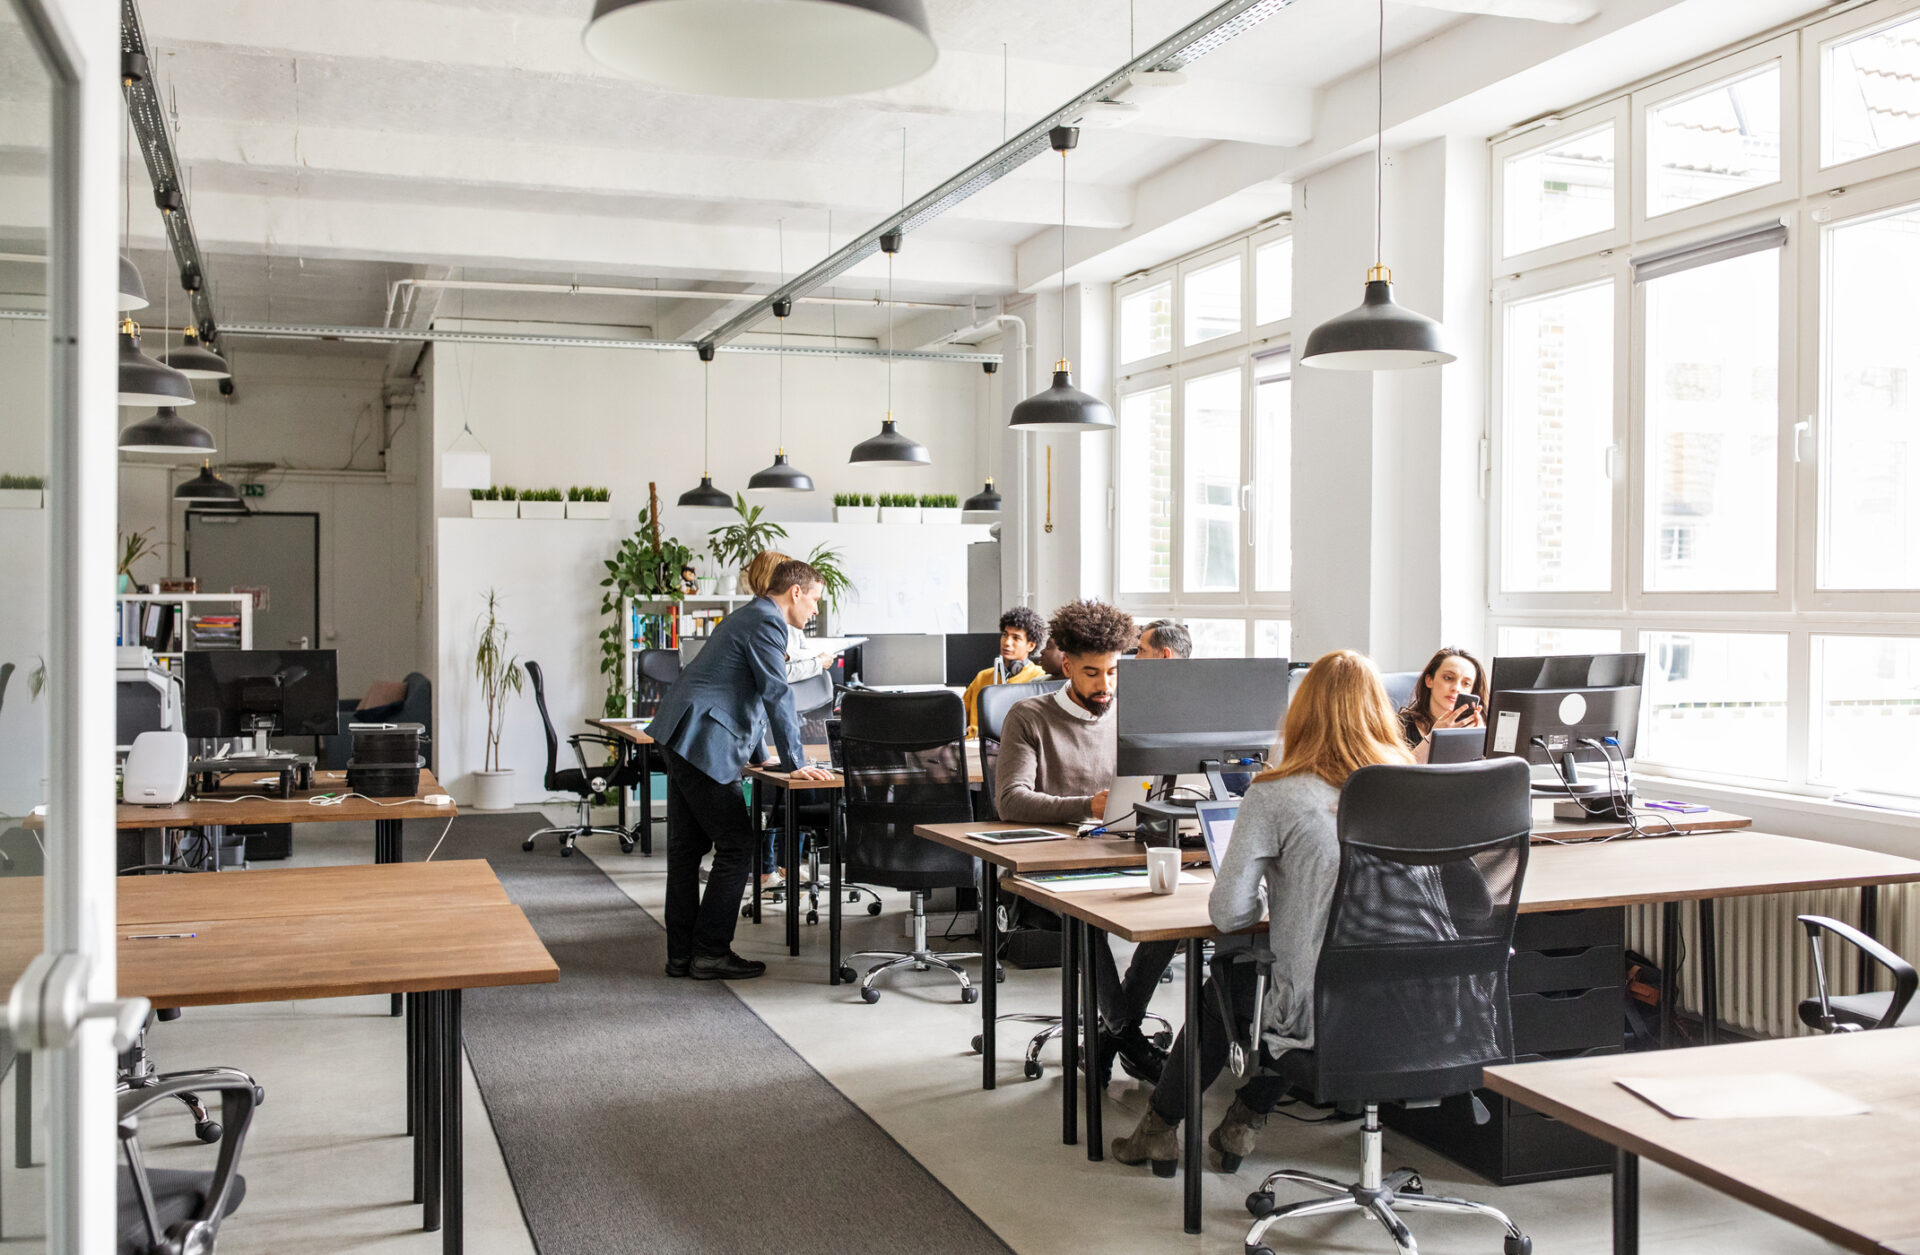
(678, 967)
(728, 966)
(1139, 1058)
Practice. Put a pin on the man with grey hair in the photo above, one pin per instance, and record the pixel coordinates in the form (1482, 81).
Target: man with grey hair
(1163, 638)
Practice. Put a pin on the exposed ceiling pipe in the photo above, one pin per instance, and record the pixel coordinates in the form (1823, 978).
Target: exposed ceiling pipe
(582, 289)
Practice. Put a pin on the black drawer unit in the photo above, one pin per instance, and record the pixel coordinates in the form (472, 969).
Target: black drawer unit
(1566, 990)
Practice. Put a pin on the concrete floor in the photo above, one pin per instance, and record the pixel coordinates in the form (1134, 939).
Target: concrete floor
(328, 1166)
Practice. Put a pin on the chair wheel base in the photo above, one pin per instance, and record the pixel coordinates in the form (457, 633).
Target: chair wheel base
(1260, 1205)
(870, 994)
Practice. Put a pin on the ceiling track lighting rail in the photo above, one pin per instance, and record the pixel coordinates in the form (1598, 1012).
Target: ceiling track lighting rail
(1178, 50)
(163, 168)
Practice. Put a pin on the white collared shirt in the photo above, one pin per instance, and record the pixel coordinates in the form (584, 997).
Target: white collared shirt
(1064, 695)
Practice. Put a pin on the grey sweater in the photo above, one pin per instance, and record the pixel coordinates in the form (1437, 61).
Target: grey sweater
(1285, 838)
(1052, 763)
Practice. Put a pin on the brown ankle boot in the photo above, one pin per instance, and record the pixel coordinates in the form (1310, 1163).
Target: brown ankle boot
(1152, 1140)
(1235, 1134)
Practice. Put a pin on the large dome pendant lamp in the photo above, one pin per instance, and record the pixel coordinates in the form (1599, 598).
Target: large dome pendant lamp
(765, 49)
(166, 433)
(207, 489)
(198, 361)
(706, 496)
(1379, 334)
(781, 477)
(144, 381)
(1062, 407)
(988, 498)
(891, 447)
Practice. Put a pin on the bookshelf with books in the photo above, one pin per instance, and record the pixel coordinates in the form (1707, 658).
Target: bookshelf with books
(171, 624)
(659, 624)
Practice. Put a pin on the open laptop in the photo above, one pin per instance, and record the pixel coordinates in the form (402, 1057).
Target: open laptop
(1216, 827)
(1457, 745)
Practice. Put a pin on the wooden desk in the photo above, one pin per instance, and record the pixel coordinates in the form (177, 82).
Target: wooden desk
(385, 813)
(1846, 1178)
(634, 733)
(395, 887)
(1653, 823)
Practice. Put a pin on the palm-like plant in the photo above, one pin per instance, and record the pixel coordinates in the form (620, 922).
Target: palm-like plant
(499, 676)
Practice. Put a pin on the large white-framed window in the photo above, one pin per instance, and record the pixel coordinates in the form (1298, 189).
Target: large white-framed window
(1203, 452)
(1707, 413)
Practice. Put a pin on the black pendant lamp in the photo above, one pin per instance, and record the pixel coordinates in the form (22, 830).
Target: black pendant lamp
(706, 496)
(195, 360)
(1062, 407)
(1379, 334)
(133, 292)
(766, 49)
(986, 498)
(144, 381)
(206, 489)
(890, 447)
(165, 432)
(781, 477)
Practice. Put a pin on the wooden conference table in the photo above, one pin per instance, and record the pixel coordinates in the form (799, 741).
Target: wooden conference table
(1846, 1178)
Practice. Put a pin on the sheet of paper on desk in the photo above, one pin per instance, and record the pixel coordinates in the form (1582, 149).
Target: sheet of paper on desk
(833, 644)
(1127, 878)
(1741, 1096)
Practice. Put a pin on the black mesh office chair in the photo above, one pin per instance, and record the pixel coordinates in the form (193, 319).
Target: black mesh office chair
(584, 782)
(994, 702)
(170, 1211)
(1410, 992)
(906, 764)
(815, 810)
(659, 668)
(1850, 1013)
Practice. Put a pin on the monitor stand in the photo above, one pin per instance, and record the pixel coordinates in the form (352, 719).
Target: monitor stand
(1158, 822)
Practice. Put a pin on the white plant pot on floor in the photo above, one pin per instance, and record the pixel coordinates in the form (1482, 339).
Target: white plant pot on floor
(493, 790)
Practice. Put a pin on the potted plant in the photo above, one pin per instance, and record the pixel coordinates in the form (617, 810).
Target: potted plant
(589, 503)
(899, 507)
(133, 547)
(736, 544)
(500, 678)
(833, 574)
(646, 568)
(22, 492)
(939, 507)
(543, 503)
(489, 503)
(851, 507)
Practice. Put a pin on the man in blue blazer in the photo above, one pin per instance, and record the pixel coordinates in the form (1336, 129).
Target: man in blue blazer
(715, 719)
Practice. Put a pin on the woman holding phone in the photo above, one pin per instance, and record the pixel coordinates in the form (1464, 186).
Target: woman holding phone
(1450, 693)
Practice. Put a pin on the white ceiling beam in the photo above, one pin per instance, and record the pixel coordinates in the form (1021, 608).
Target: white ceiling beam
(1560, 12)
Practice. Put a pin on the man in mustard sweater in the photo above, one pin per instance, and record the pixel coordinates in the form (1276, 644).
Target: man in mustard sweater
(1022, 633)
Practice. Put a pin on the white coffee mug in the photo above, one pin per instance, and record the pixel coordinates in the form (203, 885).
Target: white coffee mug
(1163, 869)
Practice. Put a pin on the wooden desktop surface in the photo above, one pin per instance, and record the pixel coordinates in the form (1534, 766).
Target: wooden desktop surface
(818, 753)
(1653, 823)
(1847, 1178)
(275, 810)
(1073, 854)
(393, 887)
(626, 729)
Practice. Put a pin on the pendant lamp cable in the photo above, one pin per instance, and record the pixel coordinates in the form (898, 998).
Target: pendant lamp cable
(706, 415)
(1063, 252)
(782, 406)
(1379, 135)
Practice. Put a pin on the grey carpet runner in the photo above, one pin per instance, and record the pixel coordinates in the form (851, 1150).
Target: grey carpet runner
(638, 1113)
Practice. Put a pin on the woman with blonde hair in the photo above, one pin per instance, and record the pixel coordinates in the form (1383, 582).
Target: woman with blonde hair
(1283, 861)
(801, 662)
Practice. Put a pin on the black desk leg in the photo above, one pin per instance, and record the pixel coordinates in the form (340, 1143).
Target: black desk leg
(452, 1236)
(1669, 971)
(1626, 1203)
(790, 846)
(1069, 1031)
(416, 1095)
(986, 879)
(387, 848)
(432, 1094)
(833, 891)
(646, 800)
(1090, 1027)
(1870, 925)
(1190, 1060)
(23, 1109)
(1709, 975)
(759, 844)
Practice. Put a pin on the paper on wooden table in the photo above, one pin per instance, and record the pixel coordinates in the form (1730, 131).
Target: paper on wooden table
(1748, 1096)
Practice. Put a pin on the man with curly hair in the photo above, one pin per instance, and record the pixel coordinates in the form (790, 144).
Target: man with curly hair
(1057, 756)
(1022, 631)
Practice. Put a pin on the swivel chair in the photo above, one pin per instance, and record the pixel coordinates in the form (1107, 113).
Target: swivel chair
(1400, 686)
(1850, 1013)
(659, 668)
(1410, 992)
(906, 764)
(816, 811)
(583, 782)
(168, 1211)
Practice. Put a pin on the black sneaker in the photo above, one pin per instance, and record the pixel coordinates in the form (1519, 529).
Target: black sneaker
(1139, 1058)
(678, 967)
(728, 966)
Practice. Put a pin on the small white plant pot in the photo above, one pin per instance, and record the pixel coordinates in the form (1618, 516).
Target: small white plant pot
(939, 514)
(856, 514)
(496, 509)
(899, 513)
(589, 509)
(543, 509)
(709, 585)
(493, 790)
(726, 584)
(22, 498)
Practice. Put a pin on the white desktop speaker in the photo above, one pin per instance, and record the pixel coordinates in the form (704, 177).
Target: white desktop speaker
(156, 769)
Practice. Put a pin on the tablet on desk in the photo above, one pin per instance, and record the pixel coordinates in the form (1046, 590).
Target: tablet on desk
(1014, 836)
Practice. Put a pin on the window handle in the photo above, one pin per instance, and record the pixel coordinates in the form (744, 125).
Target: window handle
(1801, 429)
(1613, 462)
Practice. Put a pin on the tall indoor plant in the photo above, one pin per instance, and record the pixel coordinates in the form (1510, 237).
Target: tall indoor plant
(500, 678)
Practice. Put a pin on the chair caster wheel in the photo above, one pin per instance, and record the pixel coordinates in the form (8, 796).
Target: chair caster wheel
(1260, 1204)
(869, 994)
(1522, 1245)
(746, 912)
(999, 975)
(1259, 1250)
(1162, 1039)
(852, 898)
(626, 847)
(873, 908)
(813, 917)
(527, 844)
(848, 976)
(979, 1043)
(207, 1131)
(566, 851)
(1032, 1069)
(969, 995)
(1414, 1186)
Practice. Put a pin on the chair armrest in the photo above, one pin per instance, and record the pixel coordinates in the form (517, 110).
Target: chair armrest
(1243, 1059)
(1905, 979)
(598, 738)
(238, 1098)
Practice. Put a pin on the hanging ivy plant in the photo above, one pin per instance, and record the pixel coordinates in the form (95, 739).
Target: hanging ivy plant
(645, 567)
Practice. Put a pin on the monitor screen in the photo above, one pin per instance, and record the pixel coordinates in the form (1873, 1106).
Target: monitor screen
(970, 653)
(1176, 714)
(296, 692)
(903, 658)
(1543, 708)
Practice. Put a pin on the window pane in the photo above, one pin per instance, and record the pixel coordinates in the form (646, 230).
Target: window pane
(1218, 638)
(1714, 143)
(1716, 701)
(1145, 515)
(1870, 464)
(1867, 711)
(1538, 642)
(1272, 638)
(1272, 467)
(1210, 456)
(1556, 499)
(1146, 322)
(1213, 301)
(1713, 417)
(1273, 281)
(1867, 97)
(1558, 193)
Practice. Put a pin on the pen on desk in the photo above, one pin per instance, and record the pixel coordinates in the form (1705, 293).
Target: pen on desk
(160, 936)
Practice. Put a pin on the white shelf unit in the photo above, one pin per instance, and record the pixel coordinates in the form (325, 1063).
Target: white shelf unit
(694, 606)
(187, 606)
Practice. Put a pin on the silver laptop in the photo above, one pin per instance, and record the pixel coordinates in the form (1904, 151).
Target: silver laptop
(1216, 825)
(1457, 745)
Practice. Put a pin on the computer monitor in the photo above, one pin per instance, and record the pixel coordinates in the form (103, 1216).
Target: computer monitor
(240, 692)
(1562, 700)
(1175, 715)
(970, 653)
(903, 658)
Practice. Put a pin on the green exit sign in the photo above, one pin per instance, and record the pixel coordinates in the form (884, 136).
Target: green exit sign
(253, 490)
